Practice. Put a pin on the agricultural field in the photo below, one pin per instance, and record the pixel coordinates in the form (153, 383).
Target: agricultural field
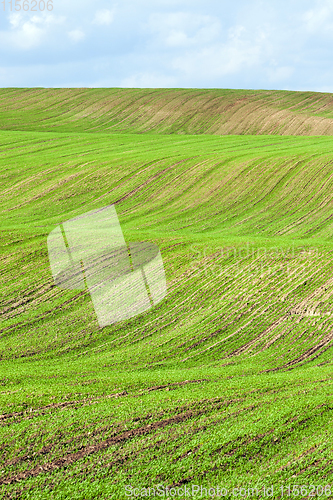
(228, 381)
(167, 111)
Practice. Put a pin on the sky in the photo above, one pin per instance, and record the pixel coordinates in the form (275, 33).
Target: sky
(251, 44)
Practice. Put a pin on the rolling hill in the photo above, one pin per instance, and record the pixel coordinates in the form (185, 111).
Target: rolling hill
(228, 381)
(167, 111)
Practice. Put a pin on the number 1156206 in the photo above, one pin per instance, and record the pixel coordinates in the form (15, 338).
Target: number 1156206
(31, 5)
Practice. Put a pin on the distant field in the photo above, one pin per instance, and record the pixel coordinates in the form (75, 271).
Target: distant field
(167, 111)
(228, 381)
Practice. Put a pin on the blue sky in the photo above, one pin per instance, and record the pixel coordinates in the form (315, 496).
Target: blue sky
(169, 43)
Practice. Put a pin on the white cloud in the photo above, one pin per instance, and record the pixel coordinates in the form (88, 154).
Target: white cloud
(28, 33)
(320, 18)
(148, 80)
(103, 17)
(76, 35)
(28, 36)
(280, 73)
(184, 29)
(237, 53)
(15, 19)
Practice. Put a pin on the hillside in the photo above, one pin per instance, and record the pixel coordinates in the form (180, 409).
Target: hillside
(167, 111)
(228, 381)
(195, 199)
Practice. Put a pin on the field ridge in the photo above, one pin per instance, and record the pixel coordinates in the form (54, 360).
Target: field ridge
(167, 111)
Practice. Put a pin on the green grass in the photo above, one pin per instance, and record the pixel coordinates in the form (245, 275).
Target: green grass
(167, 111)
(228, 381)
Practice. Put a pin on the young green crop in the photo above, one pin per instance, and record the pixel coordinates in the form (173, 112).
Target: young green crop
(226, 382)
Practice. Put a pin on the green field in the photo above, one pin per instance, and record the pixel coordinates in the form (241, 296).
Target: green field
(228, 381)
